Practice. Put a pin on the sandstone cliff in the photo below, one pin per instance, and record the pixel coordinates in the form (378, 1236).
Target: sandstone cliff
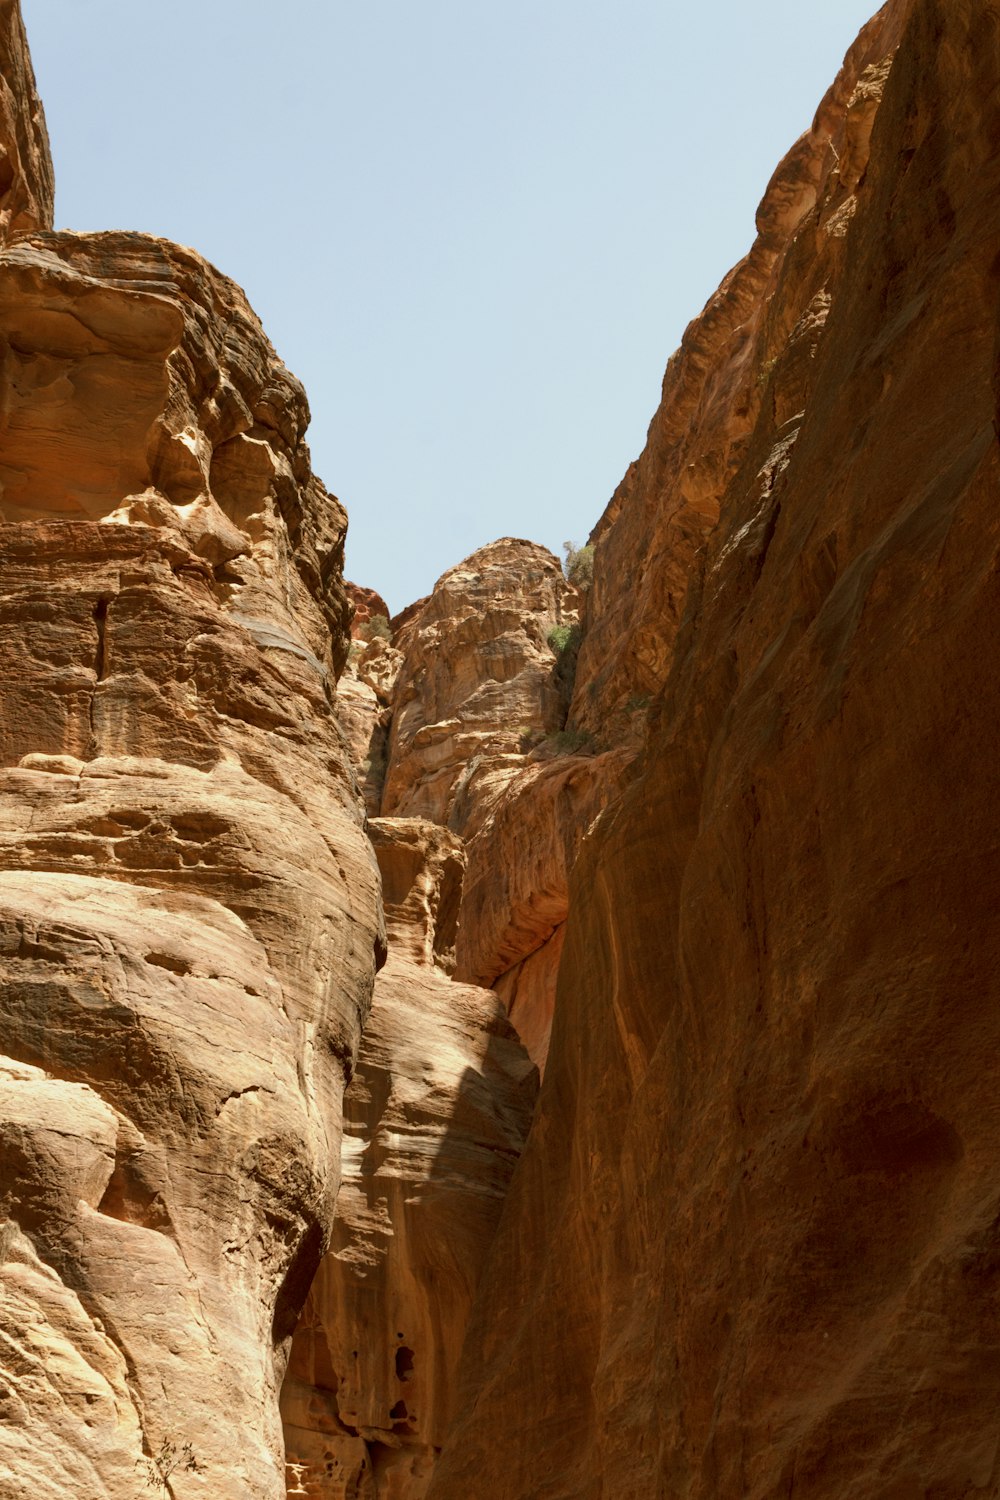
(435, 1119)
(27, 182)
(462, 718)
(742, 870)
(189, 918)
(476, 680)
(755, 1226)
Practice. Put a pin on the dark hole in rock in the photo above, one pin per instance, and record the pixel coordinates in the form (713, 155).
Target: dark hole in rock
(404, 1363)
(399, 1411)
(168, 961)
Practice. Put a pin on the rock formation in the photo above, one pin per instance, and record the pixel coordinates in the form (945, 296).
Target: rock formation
(364, 711)
(755, 1226)
(516, 897)
(476, 680)
(435, 1119)
(27, 182)
(368, 605)
(732, 883)
(189, 920)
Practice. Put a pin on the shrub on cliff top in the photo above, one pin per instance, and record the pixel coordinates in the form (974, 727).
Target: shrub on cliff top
(376, 629)
(579, 565)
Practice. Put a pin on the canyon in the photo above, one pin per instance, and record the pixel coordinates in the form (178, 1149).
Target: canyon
(540, 1046)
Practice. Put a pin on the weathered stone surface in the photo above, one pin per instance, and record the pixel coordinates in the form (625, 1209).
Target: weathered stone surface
(755, 1226)
(528, 993)
(368, 605)
(422, 868)
(434, 1121)
(27, 183)
(715, 387)
(138, 387)
(516, 894)
(364, 695)
(189, 920)
(477, 677)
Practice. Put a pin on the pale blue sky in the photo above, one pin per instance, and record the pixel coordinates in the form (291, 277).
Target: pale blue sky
(475, 231)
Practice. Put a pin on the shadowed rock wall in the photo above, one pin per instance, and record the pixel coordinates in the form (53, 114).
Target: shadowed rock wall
(435, 1119)
(755, 1225)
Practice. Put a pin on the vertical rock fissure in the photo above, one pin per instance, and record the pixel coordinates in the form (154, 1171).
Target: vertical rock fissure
(101, 610)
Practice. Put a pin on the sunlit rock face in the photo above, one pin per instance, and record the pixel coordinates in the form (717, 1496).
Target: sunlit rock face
(477, 681)
(749, 349)
(471, 718)
(368, 605)
(27, 183)
(189, 916)
(434, 1119)
(751, 1247)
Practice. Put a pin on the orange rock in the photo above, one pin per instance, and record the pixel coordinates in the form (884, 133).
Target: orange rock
(189, 917)
(367, 606)
(516, 894)
(27, 182)
(477, 678)
(750, 1249)
(714, 389)
(434, 1121)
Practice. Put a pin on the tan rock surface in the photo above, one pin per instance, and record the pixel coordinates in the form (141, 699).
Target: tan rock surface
(189, 918)
(27, 182)
(477, 676)
(527, 992)
(755, 1226)
(434, 1121)
(516, 893)
(364, 712)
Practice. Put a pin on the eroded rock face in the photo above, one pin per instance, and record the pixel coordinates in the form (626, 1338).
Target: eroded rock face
(27, 183)
(435, 1119)
(364, 712)
(368, 605)
(516, 896)
(189, 918)
(755, 1226)
(477, 678)
(750, 349)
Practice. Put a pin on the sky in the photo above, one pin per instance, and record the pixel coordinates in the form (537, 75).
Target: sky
(476, 231)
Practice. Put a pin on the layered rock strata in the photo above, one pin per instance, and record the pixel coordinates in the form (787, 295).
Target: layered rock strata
(27, 182)
(368, 606)
(516, 896)
(463, 715)
(755, 1226)
(435, 1119)
(364, 712)
(476, 682)
(189, 919)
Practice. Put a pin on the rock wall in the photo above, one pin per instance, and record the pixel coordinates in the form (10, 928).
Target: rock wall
(435, 1119)
(27, 182)
(516, 896)
(750, 1248)
(755, 1225)
(476, 681)
(189, 914)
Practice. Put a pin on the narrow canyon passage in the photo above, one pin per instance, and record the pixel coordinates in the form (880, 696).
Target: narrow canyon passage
(541, 1046)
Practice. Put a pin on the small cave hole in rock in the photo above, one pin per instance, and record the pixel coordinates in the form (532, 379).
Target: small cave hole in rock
(399, 1411)
(404, 1363)
(168, 961)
